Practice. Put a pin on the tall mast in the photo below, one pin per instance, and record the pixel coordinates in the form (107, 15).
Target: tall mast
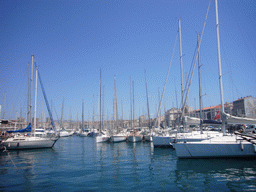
(117, 122)
(100, 103)
(103, 110)
(31, 89)
(93, 114)
(4, 105)
(131, 99)
(133, 103)
(220, 71)
(149, 122)
(122, 122)
(181, 65)
(113, 127)
(62, 114)
(159, 113)
(200, 91)
(83, 115)
(35, 99)
(28, 97)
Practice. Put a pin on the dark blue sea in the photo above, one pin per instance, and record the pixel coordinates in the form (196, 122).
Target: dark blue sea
(79, 164)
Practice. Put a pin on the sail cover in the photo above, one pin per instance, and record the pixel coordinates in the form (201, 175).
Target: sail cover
(196, 121)
(27, 129)
(239, 120)
(192, 120)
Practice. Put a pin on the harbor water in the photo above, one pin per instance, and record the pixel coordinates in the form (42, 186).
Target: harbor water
(79, 164)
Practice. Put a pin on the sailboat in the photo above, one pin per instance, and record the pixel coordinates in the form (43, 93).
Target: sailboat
(26, 141)
(134, 136)
(101, 136)
(148, 136)
(223, 144)
(117, 135)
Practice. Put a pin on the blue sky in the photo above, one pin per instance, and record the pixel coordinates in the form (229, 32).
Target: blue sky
(72, 40)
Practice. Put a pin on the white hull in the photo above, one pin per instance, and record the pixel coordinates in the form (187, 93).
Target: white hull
(218, 147)
(194, 136)
(117, 138)
(162, 141)
(102, 138)
(134, 138)
(83, 134)
(66, 134)
(28, 142)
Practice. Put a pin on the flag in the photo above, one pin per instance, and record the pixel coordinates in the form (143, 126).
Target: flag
(217, 115)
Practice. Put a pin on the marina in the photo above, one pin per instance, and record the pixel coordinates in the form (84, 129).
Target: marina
(136, 133)
(80, 164)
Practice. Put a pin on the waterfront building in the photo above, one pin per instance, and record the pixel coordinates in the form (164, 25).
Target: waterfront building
(171, 116)
(245, 107)
(210, 112)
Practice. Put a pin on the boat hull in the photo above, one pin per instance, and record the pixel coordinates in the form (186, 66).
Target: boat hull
(117, 139)
(134, 138)
(210, 149)
(28, 143)
(65, 134)
(102, 138)
(163, 141)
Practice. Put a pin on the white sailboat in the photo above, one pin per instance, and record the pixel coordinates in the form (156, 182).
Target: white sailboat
(117, 136)
(165, 138)
(26, 141)
(223, 145)
(102, 136)
(65, 133)
(148, 136)
(134, 136)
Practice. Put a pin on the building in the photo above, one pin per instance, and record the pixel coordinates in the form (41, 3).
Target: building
(210, 112)
(245, 107)
(171, 116)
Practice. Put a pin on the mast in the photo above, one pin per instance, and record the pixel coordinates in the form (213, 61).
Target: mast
(83, 115)
(131, 99)
(200, 91)
(31, 89)
(220, 71)
(181, 65)
(35, 98)
(28, 97)
(62, 114)
(100, 104)
(177, 104)
(149, 122)
(122, 121)
(133, 104)
(103, 109)
(113, 127)
(159, 117)
(117, 123)
(4, 105)
(93, 114)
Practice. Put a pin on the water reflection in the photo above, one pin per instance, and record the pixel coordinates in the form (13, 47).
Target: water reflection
(22, 167)
(79, 163)
(205, 173)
